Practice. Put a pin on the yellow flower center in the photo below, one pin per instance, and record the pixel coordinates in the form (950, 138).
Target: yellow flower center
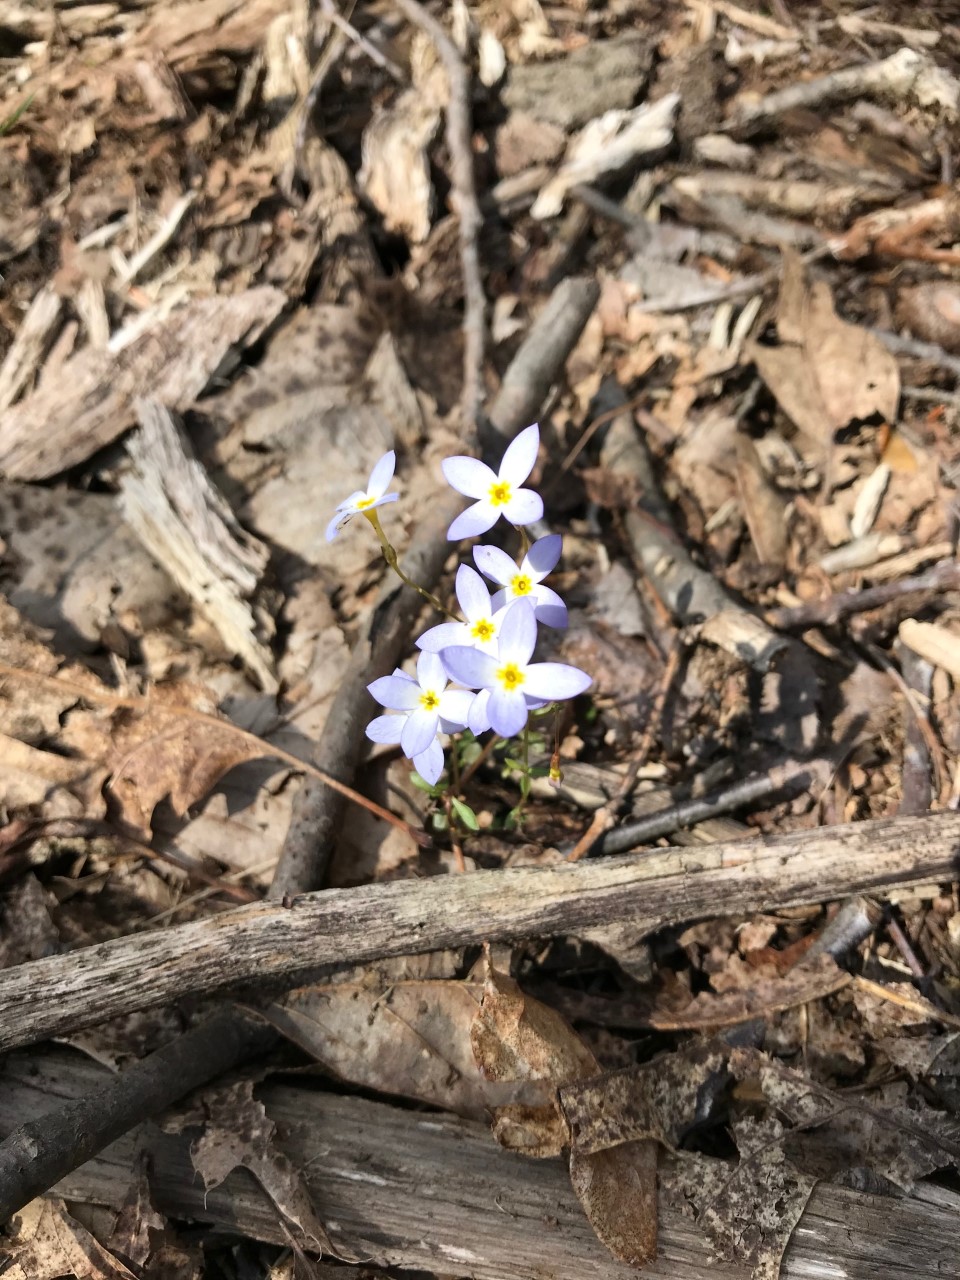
(483, 629)
(521, 585)
(500, 493)
(510, 676)
(429, 700)
(363, 503)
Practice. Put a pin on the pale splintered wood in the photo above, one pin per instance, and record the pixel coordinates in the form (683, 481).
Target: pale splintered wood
(267, 940)
(431, 1192)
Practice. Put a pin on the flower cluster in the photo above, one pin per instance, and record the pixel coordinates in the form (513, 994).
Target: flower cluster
(476, 673)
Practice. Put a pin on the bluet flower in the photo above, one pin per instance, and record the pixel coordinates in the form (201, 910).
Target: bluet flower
(513, 680)
(366, 500)
(500, 494)
(482, 623)
(427, 708)
(526, 581)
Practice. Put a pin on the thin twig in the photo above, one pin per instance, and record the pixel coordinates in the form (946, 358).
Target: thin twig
(459, 141)
(944, 576)
(606, 815)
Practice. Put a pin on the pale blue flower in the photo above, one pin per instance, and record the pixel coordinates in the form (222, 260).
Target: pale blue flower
(500, 494)
(482, 622)
(514, 682)
(427, 708)
(527, 579)
(366, 500)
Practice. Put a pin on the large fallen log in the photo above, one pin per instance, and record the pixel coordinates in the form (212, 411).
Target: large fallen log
(435, 1193)
(269, 940)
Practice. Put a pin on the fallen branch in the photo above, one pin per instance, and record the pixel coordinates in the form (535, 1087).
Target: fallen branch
(823, 613)
(460, 146)
(486, 1205)
(267, 941)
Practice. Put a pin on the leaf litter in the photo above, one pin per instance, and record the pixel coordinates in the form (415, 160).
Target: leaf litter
(768, 214)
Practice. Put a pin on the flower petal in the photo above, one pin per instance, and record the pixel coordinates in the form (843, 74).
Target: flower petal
(470, 666)
(496, 564)
(474, 521)
(381, 475)
(524, 507)
(429, 763)
(385, 729)
(542, 557)
(468, 476)
(478, 720)
(455, 707)
(337, 523)
(518, 633)
(507, 711)
(443, 636)
(419, 731)
(472, 594)
(398, 693)
(383, 500)
(520, 456)
(555, 681)
(549, 608)
(431, 674)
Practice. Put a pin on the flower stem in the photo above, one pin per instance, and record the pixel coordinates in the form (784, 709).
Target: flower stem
(472, 768)
(390, 556)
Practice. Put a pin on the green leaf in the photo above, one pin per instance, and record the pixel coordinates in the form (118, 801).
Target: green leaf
(465, 814)
(438, 821)
(9, 121)
(513, 763)
(470, 751)
(525, 785)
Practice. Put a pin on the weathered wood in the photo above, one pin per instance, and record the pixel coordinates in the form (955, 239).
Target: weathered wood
(267, 940)
(432, 1192)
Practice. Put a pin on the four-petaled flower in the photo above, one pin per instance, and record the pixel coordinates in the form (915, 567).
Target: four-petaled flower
(499, 494)
(525, 581)
(364, 501)
(513, 680)
(482, 624)
(428, 707)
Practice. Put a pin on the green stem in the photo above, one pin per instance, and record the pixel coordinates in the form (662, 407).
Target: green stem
(471, 769)
(390, 555)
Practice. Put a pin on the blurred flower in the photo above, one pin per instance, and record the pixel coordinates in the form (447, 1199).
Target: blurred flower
(498, 495)
(364, 502)
(526, 580)
(482, 623)
(427, 709)
(514, 683)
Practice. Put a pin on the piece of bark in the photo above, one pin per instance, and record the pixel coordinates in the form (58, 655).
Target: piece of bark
(541, 357)
(91, 403)
(36, 332)
(273, 940)
(171, 505)
(435, 1193)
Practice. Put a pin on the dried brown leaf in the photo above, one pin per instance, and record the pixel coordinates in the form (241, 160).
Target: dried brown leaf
(137, 1218)
(661, 1099)
(410, 1039)
(160, 750)
(618, 1191)
(47, 1244)
(27, 931)
(239, 1134)
(751, 1209)
(825, 373)
(769, 994)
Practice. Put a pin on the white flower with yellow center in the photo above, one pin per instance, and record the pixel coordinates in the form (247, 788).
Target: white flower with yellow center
(498, 494)
(514, 683)
(525, 581)
(365, 501)
(427, 709)
(481, 625)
